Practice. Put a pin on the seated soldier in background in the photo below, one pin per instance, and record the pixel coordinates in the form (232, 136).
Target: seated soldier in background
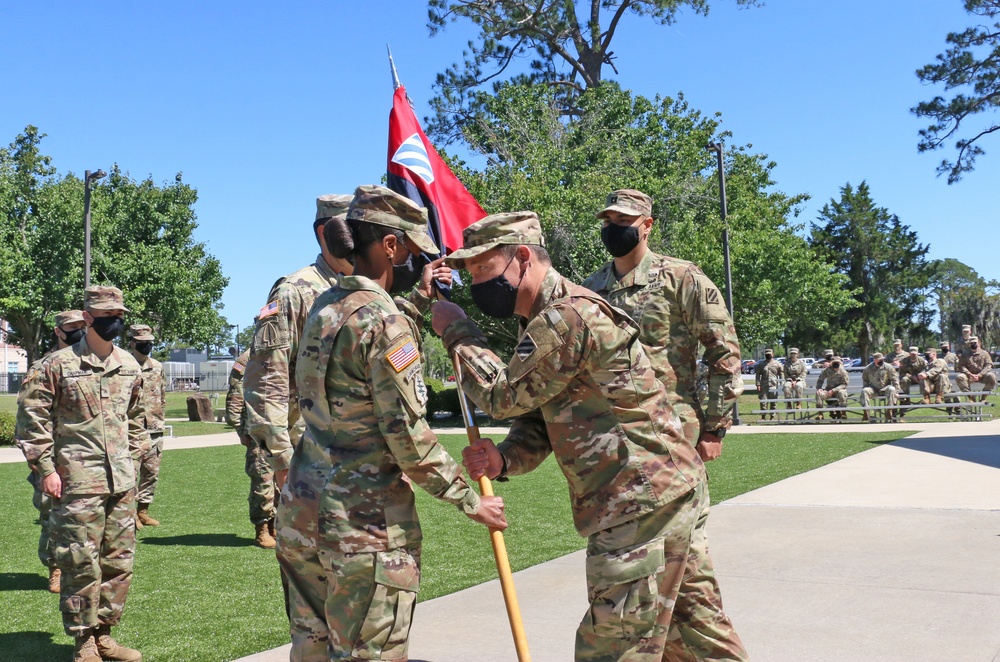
(909, 368)
(795, 378)
(898, 354)
(949, 356)
(832, 383)
(976, 365)
(767, 378)
(879, 379)
(934, 379)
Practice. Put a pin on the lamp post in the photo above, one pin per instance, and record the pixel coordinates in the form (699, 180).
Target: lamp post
(717, 149)
(87, 178)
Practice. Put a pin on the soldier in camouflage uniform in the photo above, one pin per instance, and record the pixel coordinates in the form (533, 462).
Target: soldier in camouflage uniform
(934, 378)
(879, 378)
(580, 387)
(767, 379)
(795, 370)
(897, 354)
(81, 426)
(910, 368)
(975, 365)
(963, 344)
(949, 356)
(154, 394)
(832, 383)
(679, 308)
(261, 497)
(348, 535)
(70, 328)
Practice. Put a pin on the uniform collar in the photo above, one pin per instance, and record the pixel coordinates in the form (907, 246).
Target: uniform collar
(638, 276)
(553, 287)
(362, 283)
(326, 271)
(88, 358)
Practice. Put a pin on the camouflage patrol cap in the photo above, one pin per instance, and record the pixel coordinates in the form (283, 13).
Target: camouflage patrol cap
(793, 350)
(932, 350)
(516, 228)
(627, 201)
(914, 350)
(68, 317)
(99, 297)
(877, 355)
(973, 338)
(827, 352)
(333, 206)
(140, 332)
(769, 351)
(966, 327)
(945, 345)
(382, 206)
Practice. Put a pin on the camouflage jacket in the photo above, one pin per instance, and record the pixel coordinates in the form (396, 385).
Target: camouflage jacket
(581, 388)
(677, 307)
(363, 398)
(912, 366)
(935, 368)
(878, 377)
(154, 391)
(975, 362)
(795, 369)
(832, 379)
(82, 417)
(769, 371)
(951, 359)
(896, 358)
(234, 396)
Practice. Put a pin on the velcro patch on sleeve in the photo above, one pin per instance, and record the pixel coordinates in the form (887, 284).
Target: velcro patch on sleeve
(268, 310)
(401, 356)
(239, 367)
(526, 347)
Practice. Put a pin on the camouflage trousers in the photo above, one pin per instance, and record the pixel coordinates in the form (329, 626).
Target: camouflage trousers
(935, 386)
(261, 476)
(43, 504)
(147, 469)
(770, 393)
(93, 541)
(348, 606)
(794, 388)
(988, 380)
(635, 574)
(838, 393)
(888, 392)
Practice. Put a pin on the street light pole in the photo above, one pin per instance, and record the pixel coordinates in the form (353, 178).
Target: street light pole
(717, 149)
(88, 177)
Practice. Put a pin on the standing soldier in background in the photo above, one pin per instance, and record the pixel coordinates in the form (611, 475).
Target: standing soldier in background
(795, 370)
(767, 379)
(910, 368)
(677, 308)
(154, 400)
(898, 353)
(879, 378)
(934, 378)
(966, 338)
(949, 356)
(69, 329)
(261, 497)
(81, 427)
(832, 383)
(976, 365)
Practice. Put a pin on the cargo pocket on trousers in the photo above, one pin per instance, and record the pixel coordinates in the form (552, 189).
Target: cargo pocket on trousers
(386, 626)
(623, 591)
(72, 605)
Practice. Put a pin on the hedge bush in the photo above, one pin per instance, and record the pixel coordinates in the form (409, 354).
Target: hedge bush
(441, 400)
(7, 422)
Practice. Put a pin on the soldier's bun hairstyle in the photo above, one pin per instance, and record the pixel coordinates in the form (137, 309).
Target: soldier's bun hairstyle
(346, 239)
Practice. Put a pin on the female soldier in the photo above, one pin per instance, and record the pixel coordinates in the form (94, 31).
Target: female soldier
(347, 530)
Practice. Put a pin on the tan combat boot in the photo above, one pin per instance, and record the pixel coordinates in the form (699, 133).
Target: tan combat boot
(112, 650)
(55, 580)
(143, 517)
(937, 400)
(264, 538)
(270, 528)
(85, 649)
(864, 417)
(926, 400)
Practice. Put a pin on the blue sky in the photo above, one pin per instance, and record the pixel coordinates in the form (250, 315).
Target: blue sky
(264, 106)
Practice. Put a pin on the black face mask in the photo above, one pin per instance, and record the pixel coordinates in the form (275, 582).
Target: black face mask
(619, 239)
(973, 345)
(496, 297)
(108, 327)
(405, 276)
(768, 357)
(144, 347)
(75, 336)
(879, 363)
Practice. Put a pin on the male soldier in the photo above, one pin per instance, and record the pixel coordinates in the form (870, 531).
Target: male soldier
(949, 356)
(767, 379)
(261, 497)
(795, 370)
(966, 338)
(976, 365)
(934, 378)
(81, 425)
(581, 388)
(879, 378)
(70, 327)
(677, 308)
(832, 383)
(909, 368)
(898, 353)
(154, 400)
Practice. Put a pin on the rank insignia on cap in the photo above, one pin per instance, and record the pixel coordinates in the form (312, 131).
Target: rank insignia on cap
(525, 348)
(268, 310)
(402, 356)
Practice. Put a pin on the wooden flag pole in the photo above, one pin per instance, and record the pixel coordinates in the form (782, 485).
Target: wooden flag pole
(496, 536)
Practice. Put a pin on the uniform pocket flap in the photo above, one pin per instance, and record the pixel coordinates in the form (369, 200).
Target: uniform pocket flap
(625, 566)
(398, 569)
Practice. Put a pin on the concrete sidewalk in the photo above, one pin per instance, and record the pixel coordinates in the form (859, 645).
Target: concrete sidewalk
(891, 554)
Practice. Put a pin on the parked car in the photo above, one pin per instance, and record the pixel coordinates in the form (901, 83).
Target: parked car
(747, 366)
(818, 365)
(809, 361)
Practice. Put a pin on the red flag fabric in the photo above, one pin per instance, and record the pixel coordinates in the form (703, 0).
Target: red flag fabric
(417, 171)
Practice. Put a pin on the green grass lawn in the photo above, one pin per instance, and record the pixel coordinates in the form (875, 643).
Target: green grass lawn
(202, 591)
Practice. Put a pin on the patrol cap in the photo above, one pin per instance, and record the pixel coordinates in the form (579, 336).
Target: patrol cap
(100, 297)
(914, 350)
(966, 326)
(827, 353)
(973, 338)
(333, 205)
(381, 206)
(932, 350)
(793, 350)
(877, 355)
(897, 341)
(68, 317)
(945, 344)
(140, 332)
(627, 201)
(514, 228)
(769, 351)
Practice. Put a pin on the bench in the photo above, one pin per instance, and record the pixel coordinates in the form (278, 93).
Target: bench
(975, 408)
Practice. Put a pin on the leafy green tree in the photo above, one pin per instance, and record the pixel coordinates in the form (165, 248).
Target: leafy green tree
(570, 43)
(970, 71)
(884, 263)
(141, 241)
(965, 297)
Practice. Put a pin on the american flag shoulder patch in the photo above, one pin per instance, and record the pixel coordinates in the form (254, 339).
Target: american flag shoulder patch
(402, 355)
(239, 367)
(268, 310)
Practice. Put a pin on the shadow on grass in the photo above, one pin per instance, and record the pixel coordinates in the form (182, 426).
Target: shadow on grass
(201, 540)
(22, 581)
(34, 646)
